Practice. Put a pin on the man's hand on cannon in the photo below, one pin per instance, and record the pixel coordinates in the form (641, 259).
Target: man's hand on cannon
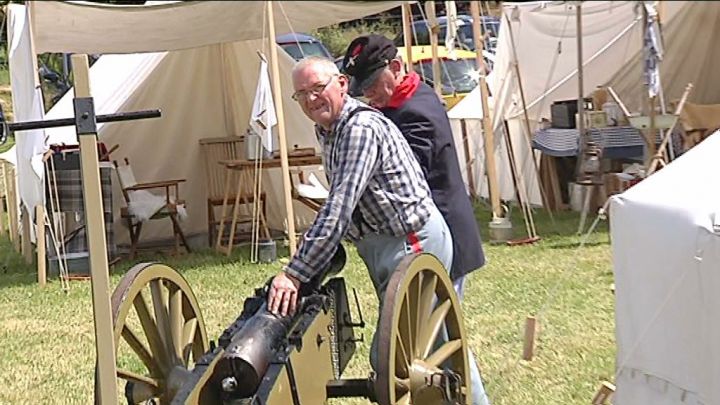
(283, 295)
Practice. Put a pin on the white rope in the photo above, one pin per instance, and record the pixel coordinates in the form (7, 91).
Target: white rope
(292, 30)
(58, 220)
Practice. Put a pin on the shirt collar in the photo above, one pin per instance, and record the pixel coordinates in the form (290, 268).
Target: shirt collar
(349, 105)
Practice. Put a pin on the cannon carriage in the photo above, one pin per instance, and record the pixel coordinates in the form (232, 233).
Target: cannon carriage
(262, 358)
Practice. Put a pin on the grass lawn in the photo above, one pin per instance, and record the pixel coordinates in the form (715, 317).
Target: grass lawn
(47, 335)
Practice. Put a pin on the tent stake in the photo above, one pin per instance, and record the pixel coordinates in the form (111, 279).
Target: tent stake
(604, 393)
(529, 344)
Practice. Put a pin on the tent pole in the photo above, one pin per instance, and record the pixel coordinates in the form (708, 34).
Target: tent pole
(407, 34)
(97, 246)
(516, 67)
(468, 161)
(434, 27)
(490, 166)
(581, 119)
(281, 128)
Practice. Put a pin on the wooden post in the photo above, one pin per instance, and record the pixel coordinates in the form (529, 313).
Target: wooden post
(581, 91)
(25, 245)
(12, 206)
(434, 28)
(469, 161)
(407, 34)
(490, 167)
(604, 393)
(281, 128)
(3, 198)
(40, 233)
(516, 66)
(99, 272)
(529, 345)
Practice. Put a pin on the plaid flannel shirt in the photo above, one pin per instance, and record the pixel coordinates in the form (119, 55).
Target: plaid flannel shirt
(376, 186)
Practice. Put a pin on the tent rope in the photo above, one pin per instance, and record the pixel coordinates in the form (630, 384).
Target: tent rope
(292, 30)
(58, 236)
(552, 294)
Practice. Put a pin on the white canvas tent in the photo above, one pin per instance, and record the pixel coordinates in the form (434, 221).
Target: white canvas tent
(543, 38)
(666, 253)
(196, 61)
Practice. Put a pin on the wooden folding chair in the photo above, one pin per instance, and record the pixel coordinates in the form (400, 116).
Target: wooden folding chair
(141, 205)
(215, 150)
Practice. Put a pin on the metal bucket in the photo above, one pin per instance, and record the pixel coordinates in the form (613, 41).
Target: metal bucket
(500, 230)
(267, 251)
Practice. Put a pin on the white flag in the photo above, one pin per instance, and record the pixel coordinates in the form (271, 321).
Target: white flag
(262, 117)
(451, 30)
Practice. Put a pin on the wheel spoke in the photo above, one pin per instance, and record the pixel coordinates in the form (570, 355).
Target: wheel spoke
(137, 378)
(189, 330)
(412, 297)
(404, 400)
(159, 300)
(177, 320)
(406, 332)
(151, 331)
(427, 338)
(402, 362)
(427, 298)
(142, 352)
(402, 384)
(444, 352)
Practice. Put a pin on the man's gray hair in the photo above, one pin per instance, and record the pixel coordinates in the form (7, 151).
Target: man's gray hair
(326, 65)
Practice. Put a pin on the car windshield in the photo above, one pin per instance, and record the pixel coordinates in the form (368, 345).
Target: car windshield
(304, 49)
(421, 35)
(457, 75)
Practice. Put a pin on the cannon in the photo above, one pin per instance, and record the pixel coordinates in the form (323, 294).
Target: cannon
(262, 358)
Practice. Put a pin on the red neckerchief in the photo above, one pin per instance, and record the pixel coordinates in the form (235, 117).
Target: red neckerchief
(404, 90)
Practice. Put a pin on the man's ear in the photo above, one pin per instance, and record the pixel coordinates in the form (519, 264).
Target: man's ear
(396, 66)
(343, 81)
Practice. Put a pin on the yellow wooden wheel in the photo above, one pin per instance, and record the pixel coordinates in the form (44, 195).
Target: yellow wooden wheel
(159, 332)
(416, 365)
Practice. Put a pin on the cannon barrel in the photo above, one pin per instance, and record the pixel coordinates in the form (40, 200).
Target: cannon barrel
(252, 349)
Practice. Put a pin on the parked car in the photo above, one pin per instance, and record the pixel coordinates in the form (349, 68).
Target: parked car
(459, 76)
(299, 45)
(489, 26)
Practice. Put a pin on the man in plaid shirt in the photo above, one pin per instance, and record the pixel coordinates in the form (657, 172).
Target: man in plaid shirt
(379, 198)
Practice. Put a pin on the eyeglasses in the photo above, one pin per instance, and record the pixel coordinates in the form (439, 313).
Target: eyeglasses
(315, 90)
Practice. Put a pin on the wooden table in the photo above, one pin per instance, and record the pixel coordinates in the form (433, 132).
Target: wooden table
(245, 169)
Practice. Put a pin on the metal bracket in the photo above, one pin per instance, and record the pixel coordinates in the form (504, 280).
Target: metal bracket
(85, 116)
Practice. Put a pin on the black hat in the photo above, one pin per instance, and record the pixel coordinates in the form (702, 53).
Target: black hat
(365, 58)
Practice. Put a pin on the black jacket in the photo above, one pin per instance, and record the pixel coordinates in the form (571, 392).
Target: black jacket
(424, 122)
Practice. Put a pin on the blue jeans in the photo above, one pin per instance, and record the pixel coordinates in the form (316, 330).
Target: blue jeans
(383, 253)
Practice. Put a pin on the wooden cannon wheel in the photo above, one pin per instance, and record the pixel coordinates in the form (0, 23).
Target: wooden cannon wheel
(412, 354)
(157, 328)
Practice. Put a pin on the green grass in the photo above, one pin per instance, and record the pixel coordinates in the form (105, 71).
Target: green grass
(48, 345)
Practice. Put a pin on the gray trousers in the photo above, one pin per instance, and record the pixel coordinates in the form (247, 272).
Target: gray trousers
(383, 253)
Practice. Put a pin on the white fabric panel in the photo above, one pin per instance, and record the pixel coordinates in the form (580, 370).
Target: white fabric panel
(665, 258)
(476, 146)
(27, 106)
(690, 33)
(470, 109)
(167, 147)
(82, 27)
(113, 79)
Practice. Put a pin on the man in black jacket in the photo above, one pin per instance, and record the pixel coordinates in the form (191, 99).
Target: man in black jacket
(378, 74)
